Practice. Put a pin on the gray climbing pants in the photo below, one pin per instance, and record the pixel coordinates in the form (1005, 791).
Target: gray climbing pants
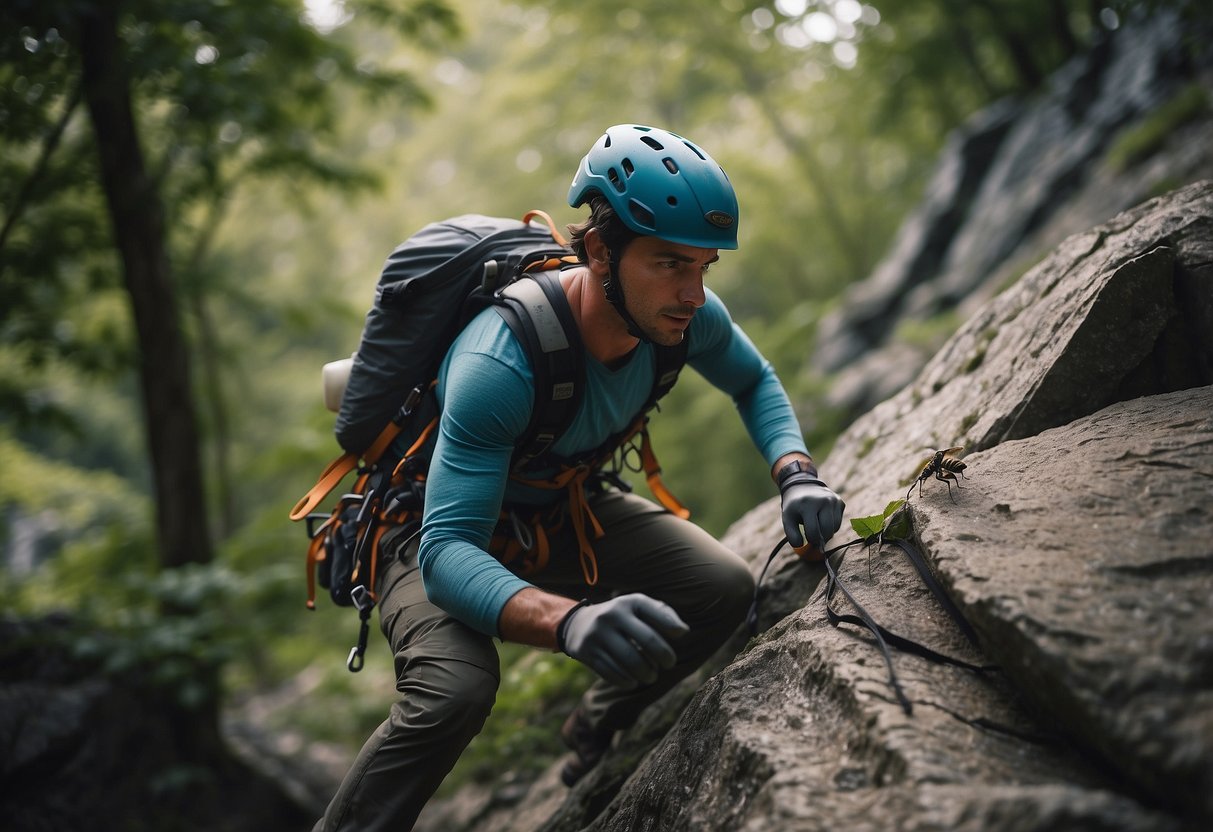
(447, 673)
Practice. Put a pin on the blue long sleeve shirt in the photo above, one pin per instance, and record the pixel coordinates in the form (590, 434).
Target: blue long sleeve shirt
(485, 389)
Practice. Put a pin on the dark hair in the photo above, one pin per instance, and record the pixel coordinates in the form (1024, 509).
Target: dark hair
(614, 233)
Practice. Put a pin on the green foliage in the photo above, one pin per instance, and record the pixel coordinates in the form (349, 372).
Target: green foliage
(172, 631)
(522, 735)
(226, 94)
(968, 421)
(890, 524)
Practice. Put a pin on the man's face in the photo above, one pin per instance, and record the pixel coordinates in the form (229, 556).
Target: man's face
(663, 286)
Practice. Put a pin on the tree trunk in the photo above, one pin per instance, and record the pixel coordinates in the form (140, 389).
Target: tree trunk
(139, 234)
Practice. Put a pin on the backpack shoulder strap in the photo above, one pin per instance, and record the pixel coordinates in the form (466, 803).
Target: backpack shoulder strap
(668, 362)
(536, 309)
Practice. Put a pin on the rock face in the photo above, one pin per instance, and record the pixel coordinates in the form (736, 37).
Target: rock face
(1083, 557)
(1009, 186)
(1077, 548)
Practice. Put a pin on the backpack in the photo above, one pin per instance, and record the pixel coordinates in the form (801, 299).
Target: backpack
(430, 287)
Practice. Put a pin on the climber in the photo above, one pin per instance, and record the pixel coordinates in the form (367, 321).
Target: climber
(630, 588)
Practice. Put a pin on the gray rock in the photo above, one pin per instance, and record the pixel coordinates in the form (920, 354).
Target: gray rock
(1095, 322)
(92, 743)
(1049, 178)
(1083, 394)
(1082, 556)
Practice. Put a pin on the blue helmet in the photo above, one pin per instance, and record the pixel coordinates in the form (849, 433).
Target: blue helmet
(660, 185)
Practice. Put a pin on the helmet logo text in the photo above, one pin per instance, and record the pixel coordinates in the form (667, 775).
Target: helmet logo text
(719, 219)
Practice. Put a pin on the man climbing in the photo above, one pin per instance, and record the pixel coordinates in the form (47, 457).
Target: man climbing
(638, 594)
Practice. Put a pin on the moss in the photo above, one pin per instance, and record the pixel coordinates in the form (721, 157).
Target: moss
(865, 447)
(1137, 143)
(975, 361)
(968, 422)
(983, 344)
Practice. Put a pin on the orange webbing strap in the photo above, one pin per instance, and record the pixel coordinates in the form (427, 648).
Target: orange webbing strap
(573, 480)
(329, 478)
(652, 472)
(542, 550)
(416, 446)
(370, 584)
(534, 560)
(337, 470)
(579, 510)
(385, 438)
(550, 264)
(315, 554)
(543, 215)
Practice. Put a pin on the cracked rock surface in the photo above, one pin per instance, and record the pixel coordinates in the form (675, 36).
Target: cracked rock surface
(1084, 557)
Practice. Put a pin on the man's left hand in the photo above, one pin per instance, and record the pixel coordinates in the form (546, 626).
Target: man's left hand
(809, 503)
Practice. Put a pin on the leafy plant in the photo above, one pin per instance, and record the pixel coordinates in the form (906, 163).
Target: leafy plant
(890, 524)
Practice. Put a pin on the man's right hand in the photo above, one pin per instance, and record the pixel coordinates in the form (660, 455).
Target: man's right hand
(624, 640)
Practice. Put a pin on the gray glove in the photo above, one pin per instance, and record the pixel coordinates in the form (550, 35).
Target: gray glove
(808, 502)
(623, 640)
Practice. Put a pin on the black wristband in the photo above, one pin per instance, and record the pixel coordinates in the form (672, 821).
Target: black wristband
(795, 472)
(564, 623)
(799, 479)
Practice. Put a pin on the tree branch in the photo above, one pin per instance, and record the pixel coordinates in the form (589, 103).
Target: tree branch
(49, 144)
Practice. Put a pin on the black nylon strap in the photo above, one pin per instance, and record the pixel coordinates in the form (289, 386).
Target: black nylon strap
(884, 637)
(937, 590)
(559, 374)
(668, 364)
(535, 451)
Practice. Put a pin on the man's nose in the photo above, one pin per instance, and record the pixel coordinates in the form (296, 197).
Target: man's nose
(691, 292)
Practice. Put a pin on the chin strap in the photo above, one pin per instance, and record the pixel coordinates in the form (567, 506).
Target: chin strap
(613, 287)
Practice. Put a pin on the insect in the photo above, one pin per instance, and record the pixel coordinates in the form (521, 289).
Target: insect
(945, 466)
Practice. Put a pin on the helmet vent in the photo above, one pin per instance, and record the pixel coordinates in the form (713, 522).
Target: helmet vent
(613, 175)
(652, 142)
(696, 150)
(670, 164)
(641, 214)
(672, 201)
(628, 168)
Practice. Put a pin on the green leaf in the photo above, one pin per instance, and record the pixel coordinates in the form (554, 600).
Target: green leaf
(868, 527)
(891, 524)
(896, 522)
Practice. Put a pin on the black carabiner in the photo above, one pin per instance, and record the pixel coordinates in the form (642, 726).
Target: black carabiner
(362, 599)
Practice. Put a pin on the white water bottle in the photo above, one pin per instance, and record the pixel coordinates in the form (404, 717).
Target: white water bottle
(336, 375)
